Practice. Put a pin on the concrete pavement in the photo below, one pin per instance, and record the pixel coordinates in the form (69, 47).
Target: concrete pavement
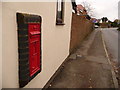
(88, 67)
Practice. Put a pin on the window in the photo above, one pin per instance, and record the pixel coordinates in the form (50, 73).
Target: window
(60, 13)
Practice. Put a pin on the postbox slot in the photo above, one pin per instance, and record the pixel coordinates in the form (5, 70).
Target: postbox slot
(35, 33)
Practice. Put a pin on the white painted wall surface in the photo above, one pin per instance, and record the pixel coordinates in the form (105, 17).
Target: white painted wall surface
(0, 45)
(55, 41)
(119, 9)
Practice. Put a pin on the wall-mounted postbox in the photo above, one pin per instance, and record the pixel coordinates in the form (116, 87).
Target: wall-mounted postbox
(34, 47)
(29, 47)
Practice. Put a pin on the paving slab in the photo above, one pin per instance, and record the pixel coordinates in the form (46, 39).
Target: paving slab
(89, 69)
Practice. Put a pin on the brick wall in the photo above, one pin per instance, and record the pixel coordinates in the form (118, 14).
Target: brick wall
(80, 28)
(104, 25)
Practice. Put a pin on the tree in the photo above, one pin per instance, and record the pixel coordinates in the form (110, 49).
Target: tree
(88, 8)
(119, 27)
(115, 23)
(104, 19)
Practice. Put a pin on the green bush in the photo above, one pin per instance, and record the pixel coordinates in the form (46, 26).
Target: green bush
(119, 27)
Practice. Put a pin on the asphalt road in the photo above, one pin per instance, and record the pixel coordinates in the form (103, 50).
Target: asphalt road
(111, 38)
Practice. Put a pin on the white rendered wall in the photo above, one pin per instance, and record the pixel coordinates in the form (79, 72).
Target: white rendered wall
(0, 45)
(55, 41)
(119, 9)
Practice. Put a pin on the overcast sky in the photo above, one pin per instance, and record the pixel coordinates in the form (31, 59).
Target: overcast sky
(103, 8)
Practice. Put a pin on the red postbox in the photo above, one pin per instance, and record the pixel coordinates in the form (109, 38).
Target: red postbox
(34, 47)
(29, 46)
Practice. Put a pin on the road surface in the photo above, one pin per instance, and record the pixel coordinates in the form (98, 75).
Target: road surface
(111, 38)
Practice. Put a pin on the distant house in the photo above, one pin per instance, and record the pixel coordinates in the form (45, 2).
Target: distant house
(94, 20)
(81, 10)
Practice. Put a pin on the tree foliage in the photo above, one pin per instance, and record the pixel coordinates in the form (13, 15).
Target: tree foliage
(104, 19)
(115, 23)
(88, 8)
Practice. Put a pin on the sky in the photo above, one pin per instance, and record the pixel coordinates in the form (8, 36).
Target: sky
(103, 8)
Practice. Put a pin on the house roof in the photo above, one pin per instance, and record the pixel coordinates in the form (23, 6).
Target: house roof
(80, 7)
